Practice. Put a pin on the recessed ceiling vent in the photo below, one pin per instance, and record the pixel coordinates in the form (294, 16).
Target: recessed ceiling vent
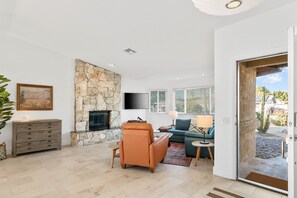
(130, 51)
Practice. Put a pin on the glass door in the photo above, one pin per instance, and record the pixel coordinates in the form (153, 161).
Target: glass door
(262, 121)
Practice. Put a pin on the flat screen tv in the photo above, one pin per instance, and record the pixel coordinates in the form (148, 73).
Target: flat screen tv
(136, 100)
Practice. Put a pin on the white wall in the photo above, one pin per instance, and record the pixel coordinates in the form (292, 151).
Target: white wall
(162, 119)
(258, 36)
(132, 86)
(23, 62)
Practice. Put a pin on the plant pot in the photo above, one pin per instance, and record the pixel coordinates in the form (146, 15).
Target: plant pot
(3, 151)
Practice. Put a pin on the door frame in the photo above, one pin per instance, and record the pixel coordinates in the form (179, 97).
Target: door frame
(292, 40)
(257, 56)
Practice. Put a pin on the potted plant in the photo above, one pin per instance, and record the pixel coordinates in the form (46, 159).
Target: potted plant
(6, 111)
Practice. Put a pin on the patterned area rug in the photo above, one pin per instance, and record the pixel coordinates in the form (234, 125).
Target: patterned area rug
(176, 155)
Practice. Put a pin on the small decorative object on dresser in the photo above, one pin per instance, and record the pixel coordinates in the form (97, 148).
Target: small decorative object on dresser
(36, 135)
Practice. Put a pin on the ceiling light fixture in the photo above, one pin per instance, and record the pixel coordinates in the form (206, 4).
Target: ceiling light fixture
(111, 65)
(233, 4)
(225, 7)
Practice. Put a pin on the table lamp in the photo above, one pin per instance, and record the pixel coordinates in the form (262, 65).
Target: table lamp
(204, 121)
(173, 115)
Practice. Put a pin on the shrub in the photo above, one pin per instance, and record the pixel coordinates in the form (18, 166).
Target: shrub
(280, 118)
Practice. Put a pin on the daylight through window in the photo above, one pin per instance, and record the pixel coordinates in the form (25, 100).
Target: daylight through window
(158, 101)
(195, 100)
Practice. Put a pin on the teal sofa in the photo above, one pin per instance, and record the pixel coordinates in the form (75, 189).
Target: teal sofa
(181, 128)
(197, 136)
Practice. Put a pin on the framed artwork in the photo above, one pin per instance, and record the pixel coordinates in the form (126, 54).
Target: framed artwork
(34, 97)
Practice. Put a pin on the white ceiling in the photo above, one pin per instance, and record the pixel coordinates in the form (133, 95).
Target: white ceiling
(172, 38)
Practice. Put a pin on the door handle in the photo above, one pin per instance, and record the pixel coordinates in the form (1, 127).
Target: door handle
(291, 137)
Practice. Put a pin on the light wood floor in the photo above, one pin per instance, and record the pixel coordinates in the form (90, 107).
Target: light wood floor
(85, 172)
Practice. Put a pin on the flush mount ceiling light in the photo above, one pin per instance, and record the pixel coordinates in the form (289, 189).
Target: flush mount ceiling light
(233, 4)
(225, 7)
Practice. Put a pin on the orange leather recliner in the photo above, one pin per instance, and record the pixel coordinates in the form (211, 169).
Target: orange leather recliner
(138, 146)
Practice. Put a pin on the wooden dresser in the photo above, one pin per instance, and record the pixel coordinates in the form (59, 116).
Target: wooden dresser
(36, 135)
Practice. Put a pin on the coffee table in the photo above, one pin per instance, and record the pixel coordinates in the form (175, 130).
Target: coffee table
(199, 146)
(158, 134)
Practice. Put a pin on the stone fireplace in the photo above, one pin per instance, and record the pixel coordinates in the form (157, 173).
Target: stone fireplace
(97, 90)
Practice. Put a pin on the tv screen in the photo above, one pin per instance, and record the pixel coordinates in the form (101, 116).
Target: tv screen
(136, 100)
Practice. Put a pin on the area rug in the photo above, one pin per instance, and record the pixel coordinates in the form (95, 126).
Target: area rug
(176, 155)
(267, 180)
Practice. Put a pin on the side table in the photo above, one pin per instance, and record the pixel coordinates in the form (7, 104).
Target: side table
(199, 146)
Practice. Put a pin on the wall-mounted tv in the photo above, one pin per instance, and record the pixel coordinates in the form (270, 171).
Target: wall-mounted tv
(136, 100)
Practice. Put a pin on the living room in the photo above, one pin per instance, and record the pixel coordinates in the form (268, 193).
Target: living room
(40, 43)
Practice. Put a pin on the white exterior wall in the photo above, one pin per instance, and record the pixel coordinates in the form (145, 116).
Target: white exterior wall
(261, 35)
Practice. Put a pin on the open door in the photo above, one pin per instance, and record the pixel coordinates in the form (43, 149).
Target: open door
(292, 112)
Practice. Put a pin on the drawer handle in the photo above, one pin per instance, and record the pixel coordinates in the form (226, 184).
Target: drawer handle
(29, 133)
(29, 138)
(49, 141)
(49, 145)
(49, 131)
(29, 143)
(49, 136)
(49, 127)
(29, 148)
(29, 128)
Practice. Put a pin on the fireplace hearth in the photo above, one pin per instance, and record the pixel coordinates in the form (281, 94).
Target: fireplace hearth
(99, 120)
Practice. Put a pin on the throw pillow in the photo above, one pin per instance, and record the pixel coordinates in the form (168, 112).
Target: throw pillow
(164, 129)
(211, 131)
(182, 124)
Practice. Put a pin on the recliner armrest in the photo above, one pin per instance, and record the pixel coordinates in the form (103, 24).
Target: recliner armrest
(158, 149)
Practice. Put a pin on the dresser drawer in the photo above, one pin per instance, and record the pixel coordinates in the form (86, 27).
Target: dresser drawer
(38, 126)
(37, 143)
(41, 135)
(31, 148)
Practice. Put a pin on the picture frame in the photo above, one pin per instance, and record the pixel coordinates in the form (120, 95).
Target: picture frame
(34, 97)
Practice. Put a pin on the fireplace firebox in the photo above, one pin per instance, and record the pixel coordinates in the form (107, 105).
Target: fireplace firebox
(99, 120)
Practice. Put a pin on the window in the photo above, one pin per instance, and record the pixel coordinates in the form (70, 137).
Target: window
(195, 100)
(158, 101)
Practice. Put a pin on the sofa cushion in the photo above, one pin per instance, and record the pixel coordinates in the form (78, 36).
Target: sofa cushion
(182, 124)
(197, 135)
(211, 132)
(177, 132)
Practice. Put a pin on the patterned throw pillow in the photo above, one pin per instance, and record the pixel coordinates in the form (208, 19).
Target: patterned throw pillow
(3, 151)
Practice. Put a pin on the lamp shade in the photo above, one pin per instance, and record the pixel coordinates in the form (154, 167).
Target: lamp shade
(204, 121)
(225, 7)
(173, 114)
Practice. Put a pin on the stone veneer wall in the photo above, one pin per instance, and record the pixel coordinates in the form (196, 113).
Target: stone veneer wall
(94, 137)
(96, 89)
